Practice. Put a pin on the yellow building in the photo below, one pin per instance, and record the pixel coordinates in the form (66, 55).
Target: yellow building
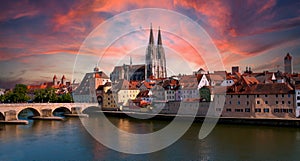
(120, 94)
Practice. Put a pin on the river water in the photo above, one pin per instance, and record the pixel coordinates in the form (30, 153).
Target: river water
(69, 140)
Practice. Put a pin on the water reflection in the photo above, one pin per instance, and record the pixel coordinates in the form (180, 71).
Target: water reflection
(68, 140)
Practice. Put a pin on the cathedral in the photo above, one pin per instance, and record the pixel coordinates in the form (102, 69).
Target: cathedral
(155, 58)
(154, 67)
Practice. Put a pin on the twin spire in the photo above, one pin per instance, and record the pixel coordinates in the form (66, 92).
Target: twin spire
(151, 38)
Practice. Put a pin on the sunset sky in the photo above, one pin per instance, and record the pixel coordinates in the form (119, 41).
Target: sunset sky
(41, 38)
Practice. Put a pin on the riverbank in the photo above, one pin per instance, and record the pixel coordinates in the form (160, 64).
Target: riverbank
(15, 122)
(289, 122)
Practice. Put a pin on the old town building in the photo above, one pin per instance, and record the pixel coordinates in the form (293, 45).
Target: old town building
(86, 92)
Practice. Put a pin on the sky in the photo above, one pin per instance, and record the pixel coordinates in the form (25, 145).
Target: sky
(41, 38)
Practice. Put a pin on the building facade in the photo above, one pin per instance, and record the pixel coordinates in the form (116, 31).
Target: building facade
(262, 101)
(297, 100)
(86, 92)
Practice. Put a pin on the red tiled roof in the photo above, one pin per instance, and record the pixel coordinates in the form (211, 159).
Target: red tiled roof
(271, 88)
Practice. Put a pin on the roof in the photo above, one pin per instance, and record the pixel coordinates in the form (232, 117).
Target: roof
(249, 80)
(297, 86)
(189, 82)
(130, 67)
(143, 94)
(124, 85)
(216, 77)
(101, 74)
(274, 88)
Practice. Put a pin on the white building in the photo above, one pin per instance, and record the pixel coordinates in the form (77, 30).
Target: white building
(203, 81)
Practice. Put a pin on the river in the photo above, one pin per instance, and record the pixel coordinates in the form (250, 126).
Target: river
(69, 140)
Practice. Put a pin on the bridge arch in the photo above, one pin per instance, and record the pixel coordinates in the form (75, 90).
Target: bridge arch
(2, 117)
(61, 111)
(91, 109)
(24, 112)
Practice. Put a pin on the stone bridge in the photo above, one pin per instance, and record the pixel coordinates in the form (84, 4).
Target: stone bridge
(10, 112)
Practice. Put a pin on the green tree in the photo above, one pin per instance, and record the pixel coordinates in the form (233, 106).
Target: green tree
(52, 95)
(205, 94)
(45, 95)
(18, 95)
(65, 98)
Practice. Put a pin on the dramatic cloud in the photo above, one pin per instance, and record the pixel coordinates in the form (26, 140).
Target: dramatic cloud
(243, 31)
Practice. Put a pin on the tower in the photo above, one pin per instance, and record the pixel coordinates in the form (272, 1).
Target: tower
(155, 58)
(162, 72)
(63, 80)
(55, 80)
(150, 57)
(288, 63)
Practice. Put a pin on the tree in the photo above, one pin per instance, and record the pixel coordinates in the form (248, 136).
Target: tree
(65, 98)
(18, 95)
(45, 95)
(205, 94)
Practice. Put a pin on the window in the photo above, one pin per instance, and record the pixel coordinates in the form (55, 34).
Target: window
(282, 95)
(231, 96)
(229, 102)
(266, 102)
(239, 96)
(298, 97)
(238, 110)
(258, 102)
(276, 110)
(257, 95)
(276, 102)
(266, 110)
(228, 109)
(266, 95)
(247, 102)
(276, 95)
(289, 95)
(218, 109)
(282, 102)
(289, 102)
(247, 109)
(257, 110)
(298, 104)
(238, 102)
(247, 96)
(290, 110)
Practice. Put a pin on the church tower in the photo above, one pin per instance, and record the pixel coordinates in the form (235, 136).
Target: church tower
(150, 57)
(288, 64)
(155, 58)
(162, 72)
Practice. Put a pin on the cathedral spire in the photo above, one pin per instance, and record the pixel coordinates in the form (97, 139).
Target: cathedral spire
(151, 38)
(159, 42)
